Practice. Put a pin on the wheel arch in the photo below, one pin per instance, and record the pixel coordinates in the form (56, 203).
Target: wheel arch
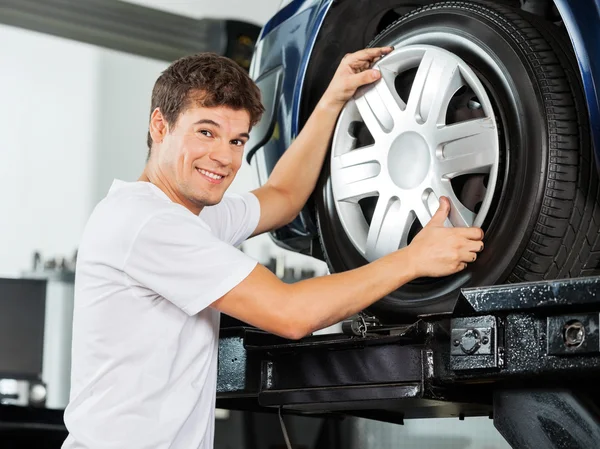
(305, 60)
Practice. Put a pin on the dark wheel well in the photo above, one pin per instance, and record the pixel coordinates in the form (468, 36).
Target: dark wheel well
(542, 8)
(545, 9)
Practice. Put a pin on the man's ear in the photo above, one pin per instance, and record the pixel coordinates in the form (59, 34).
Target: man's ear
(158, 126)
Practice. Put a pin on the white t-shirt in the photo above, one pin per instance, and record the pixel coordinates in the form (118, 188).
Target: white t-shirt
(145, 341)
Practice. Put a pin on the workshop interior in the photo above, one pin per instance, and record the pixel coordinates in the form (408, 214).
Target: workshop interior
(503, 355)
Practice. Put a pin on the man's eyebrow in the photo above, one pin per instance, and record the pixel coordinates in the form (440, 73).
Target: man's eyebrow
(246, 135)
(206, 121)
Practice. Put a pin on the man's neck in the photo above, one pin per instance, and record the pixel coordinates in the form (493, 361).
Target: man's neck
(153, 177)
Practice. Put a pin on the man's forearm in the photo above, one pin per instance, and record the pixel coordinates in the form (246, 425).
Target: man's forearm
(320, 302)
(295, 310)
(296, 173)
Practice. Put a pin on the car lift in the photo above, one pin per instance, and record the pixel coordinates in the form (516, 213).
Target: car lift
(526, 355)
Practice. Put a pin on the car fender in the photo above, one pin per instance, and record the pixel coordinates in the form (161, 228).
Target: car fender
(278, 68)
(582, 22)
(280, 75)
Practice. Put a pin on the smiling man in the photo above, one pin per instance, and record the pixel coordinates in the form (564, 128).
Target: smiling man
(158, 260)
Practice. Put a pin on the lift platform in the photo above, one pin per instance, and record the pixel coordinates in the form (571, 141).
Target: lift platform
(526, 355)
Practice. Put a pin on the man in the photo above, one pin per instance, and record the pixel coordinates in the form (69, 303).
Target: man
(157, 261)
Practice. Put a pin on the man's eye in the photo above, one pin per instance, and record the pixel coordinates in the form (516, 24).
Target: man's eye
(238, 143)
(205, 132)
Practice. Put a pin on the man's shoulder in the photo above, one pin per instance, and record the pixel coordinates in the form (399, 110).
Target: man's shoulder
(234, 218)
(138, 193)
(122, 213)
(232, 203)
(136, 201)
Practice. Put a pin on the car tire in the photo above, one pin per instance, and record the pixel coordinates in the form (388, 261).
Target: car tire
(545, 215)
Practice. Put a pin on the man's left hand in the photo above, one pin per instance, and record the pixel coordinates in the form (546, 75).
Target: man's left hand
(354, 71)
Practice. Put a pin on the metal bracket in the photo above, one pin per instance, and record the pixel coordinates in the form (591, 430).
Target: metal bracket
(364, 325)
(360, 325)
(474, 343)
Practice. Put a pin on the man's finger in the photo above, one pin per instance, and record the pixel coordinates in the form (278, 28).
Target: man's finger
(468, 256)
(474, 246)
(471, 233)
(442, 213)
(368, 54)
(360, 66)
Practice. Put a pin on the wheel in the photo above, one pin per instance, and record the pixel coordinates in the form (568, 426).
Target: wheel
(480, 103)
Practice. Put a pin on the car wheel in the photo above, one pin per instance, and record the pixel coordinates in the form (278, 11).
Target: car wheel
(480, 103)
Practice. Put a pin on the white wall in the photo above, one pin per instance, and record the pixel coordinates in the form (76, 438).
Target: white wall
(48, 115)
(123, 89)
(74, 117)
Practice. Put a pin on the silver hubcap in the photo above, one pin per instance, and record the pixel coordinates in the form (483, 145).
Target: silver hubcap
(415, 154)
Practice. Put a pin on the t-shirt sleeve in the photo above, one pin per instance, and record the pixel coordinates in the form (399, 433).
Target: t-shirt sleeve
(177, 257)
(235, 218)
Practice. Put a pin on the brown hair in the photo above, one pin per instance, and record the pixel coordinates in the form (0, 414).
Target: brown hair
(207, 80)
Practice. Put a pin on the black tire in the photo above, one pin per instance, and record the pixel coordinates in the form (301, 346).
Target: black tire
(546, 216)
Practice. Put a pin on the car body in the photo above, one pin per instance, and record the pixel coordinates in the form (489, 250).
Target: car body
(280, 63)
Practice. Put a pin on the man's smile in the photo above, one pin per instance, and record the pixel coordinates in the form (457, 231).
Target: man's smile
(212, 177)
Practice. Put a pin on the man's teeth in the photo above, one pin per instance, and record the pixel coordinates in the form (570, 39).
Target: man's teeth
(210, 175)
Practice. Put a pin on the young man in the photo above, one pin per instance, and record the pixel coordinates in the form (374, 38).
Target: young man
(157, 261)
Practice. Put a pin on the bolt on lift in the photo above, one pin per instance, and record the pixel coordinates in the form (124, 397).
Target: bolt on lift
(526, 355)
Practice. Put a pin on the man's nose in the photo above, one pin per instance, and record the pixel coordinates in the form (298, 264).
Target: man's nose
(221, 153)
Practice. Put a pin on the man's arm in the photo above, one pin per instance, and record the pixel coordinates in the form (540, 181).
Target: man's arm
(295, 310)
(295, 175)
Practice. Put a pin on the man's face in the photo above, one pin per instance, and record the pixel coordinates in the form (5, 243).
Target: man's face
(202, 153)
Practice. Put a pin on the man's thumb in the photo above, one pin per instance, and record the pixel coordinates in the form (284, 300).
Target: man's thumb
(442, 212)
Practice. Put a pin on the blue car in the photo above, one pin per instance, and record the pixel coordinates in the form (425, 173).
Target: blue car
(493, 104)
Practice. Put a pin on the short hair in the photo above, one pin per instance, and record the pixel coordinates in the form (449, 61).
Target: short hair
(207, 80)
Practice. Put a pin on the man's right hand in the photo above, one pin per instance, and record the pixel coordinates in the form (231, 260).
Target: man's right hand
(440, 251)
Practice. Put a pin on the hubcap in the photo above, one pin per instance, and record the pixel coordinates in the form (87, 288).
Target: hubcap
(412, 155)
(409, 150)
